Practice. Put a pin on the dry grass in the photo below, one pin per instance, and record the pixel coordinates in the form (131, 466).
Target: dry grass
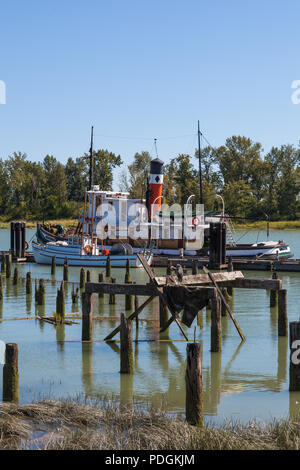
(76, 426)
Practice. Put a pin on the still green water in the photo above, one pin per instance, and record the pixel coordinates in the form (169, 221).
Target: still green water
(245, 381)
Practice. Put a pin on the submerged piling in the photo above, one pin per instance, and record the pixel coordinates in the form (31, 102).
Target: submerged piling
(282, 313)
(16, 276)
(163, 314)
(101, 279)
(82, 278)
(87, 317)
(112, 297)
(195, 266)
(66, 270)
(216, 328)
(41, 294)
(3, 269)
(11, 373)
(88, 276)
(126, 356)
(108, 267)
(53, 265)
(273, 293)
(28, 283)
(8, 262)
(194, 385)
(60, 302)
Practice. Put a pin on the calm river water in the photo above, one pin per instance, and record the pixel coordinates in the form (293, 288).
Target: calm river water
(245, 381)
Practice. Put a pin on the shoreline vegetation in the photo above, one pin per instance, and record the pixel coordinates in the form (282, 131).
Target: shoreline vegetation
(258, 225)
(73, 425)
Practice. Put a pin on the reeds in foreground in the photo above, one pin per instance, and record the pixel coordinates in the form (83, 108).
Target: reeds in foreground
(77, 426)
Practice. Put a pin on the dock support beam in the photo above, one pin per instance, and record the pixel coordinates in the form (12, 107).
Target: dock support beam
(11, 373)
(87, 317)
(216, 327)
(295, 356)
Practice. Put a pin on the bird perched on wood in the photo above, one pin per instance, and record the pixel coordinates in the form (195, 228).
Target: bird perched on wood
(179, 272)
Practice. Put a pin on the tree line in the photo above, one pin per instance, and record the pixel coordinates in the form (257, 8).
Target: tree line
(252, 184)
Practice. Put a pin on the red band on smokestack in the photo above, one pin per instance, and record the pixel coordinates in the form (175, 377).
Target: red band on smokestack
(156, 185)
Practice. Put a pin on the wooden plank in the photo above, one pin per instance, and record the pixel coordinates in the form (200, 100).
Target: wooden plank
(199, 279)
(225, 303)
(268, 284)
(131, 317)
(121, 288)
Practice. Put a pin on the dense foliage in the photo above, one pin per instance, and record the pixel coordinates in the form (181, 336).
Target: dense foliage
(252, 184)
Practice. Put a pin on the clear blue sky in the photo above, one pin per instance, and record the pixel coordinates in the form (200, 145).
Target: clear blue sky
(145, 69)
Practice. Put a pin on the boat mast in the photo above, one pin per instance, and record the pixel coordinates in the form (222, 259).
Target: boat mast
(200, 170)
(91, 161)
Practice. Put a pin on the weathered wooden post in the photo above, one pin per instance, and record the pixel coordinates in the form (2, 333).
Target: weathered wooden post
(163, 314)
(11, 373)
(16, 276)
(273, 293)
(112, 297)
(66, 270)
(223, 308)
(41, 293)
(53, 265)
(230, 270)
(194, 385)
(195, 266)
(75, 295)
(108, 267)
(60, 302)
(3, 269)
(87, 317)
(216, 328)
(88, 276)
(282, 313)
(8, 261)
(126, 356)
(82, 278)
(294, 356)
(1, 288)
(169, 266)
(136, 306)
(101, 279)
(28, 283)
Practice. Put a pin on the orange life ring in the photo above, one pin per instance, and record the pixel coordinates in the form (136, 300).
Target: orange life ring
(87, 249)
(195, 221)
(105, 252)
(26, 245)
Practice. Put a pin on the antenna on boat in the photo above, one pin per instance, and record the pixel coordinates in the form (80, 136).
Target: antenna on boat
(199, 155)
(91, 161)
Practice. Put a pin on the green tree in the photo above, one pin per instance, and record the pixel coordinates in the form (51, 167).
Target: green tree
(139, 172)
(77, 179)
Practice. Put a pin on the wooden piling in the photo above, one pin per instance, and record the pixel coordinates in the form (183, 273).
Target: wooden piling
(101, 279)
(282, 313)
(230, 270)
(87, 317)
(294, 356)
(3, 269)
(16, 276)
(195, 266)
(53, 265)
(163, 314)
(66, 270)
(108, 267)
(194, 385)
(126, 356)
(82, 278)
(273, 293)
(88, 276)
(36, 291)
(11, 373)
(1, 289)
(28, 283)
(169, 270)
(136, 306)
(75, 295)
(223, 307)
(41, 295)
(8, 262)
(60, 302)
(216, 328)
(112, 297)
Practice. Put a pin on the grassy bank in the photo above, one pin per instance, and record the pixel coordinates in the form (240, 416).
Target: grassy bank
(262, 225)
(66, 223)
(76, 426)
